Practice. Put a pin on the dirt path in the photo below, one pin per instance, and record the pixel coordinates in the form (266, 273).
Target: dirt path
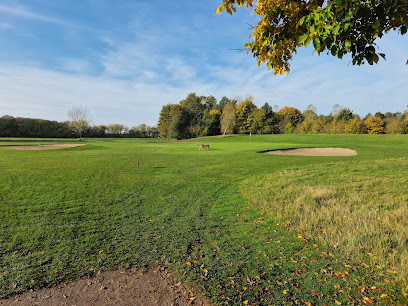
(314, 152)
(153, 286)
(42, 147)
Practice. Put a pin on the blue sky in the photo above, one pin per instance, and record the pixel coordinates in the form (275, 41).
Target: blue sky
(125, 59)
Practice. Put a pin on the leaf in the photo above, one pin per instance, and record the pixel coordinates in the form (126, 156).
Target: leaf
(245, 302)
(316, 44)
(382, 55)
(375, 58)
(309, 40)
(337, 302)
(336, 29)
(376, 25)
(367, 300)
(303, 38)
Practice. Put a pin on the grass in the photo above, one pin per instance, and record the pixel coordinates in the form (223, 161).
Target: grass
(362, 209)
(241, 227)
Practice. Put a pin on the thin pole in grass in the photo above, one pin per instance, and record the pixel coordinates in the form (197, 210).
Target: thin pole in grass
(138, 164)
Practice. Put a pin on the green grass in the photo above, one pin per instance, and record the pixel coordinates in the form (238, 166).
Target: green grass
(237, 225)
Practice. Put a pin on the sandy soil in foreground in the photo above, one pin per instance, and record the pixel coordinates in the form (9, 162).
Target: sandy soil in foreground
(43, 147)
(130, 287)
(314, 152)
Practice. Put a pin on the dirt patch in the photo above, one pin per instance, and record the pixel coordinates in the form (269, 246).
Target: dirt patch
(314, 152)
(129, 287)
(42, 147)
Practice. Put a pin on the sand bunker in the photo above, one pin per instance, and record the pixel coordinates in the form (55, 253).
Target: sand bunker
(314, 152)
(42, 147)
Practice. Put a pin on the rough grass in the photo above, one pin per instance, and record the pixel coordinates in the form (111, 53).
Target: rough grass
(218, 218)
(357, 209)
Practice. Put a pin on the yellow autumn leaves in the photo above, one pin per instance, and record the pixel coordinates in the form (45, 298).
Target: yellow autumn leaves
(274, 39)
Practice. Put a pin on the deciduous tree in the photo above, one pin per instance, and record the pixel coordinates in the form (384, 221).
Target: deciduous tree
(337, 27)
(228, 119)
(80, 119)
(224, 101)
(375, 125)
(164, 120)
(272, 119)
(116, 129)
(245, 112)
(344, 115)
(355, 126)
(310, 112)
(210, 123)
(291, 117)
(179, 124)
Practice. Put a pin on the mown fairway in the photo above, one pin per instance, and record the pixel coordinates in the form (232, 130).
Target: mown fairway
(241, 227)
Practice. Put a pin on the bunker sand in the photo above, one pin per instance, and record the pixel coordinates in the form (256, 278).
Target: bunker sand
(314, 152)
(43, 147)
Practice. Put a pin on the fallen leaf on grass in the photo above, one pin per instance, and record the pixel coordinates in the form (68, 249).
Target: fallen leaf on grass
(367, 300)
(391, 271)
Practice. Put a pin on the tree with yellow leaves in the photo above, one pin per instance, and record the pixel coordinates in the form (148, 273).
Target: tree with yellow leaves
(337, 27)
(375, 125)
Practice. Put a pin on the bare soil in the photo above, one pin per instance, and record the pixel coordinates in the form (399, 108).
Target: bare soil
(314, 152)
(151, 286)
(42, 147)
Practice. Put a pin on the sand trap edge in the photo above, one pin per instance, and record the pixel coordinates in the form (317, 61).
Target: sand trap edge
(313, 152)
(41, 147)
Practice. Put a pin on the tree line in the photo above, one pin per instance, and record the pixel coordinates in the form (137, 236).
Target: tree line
(28, 127)
(198, 116)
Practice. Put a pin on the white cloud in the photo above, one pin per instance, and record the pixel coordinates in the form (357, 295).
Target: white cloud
(30, 92)
(26, 91)
(130, 60)
(75, 65)
(147, 71)
(23, 12)
(179, 70)
(5, 26)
